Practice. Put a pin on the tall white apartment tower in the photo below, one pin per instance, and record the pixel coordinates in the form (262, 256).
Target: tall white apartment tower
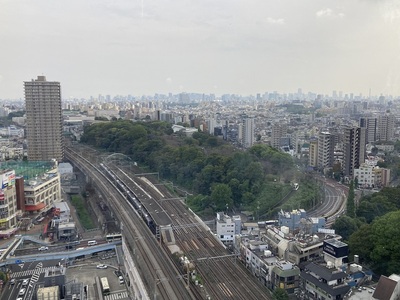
(43, 120)
(248, 132)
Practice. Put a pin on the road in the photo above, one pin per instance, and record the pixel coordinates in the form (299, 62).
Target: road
(333, 202)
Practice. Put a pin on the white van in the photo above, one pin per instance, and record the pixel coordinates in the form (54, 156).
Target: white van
(91, 243)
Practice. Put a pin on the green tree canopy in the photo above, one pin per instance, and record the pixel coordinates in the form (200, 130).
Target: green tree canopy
(379, 244)
(221, 196)
(280, 294)
(346, 226)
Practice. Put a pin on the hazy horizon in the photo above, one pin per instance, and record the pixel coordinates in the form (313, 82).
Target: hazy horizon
(224, 47)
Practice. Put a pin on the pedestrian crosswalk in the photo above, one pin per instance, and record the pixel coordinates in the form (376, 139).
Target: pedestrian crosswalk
(116, 296)
(30, 272)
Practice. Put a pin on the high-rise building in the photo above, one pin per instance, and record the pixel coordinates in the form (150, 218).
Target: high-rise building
(385, 127)
(326, 148)
(370, 125)
(43, 120)
(248, 132)
(279, 130)
(313, 153)
(354, 149)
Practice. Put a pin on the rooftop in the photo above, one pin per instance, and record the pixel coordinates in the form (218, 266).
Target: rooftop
(28, 169)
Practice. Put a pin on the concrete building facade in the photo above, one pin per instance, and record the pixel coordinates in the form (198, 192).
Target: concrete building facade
(40, 193)
(8, 203)
(353, 149)
(326, 148)
(43, 120)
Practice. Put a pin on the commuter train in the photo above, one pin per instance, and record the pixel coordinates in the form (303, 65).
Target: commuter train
(130, 197)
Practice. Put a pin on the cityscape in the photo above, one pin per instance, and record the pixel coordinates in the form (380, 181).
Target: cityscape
(200, 150)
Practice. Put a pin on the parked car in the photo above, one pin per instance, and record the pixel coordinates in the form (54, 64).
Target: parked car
(43, 248)
(101, 267)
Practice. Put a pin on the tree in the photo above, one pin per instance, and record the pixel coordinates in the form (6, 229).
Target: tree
(378, 243)
(221, 195)
(350, 201)
(346, 226)
(280, 294)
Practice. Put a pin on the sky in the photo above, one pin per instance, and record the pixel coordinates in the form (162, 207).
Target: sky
(137, 47)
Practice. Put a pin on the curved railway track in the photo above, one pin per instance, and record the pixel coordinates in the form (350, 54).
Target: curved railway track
(223, 276)
(161, 277)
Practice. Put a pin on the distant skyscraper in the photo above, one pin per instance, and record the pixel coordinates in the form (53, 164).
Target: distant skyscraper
(248, 132)
(43, 120)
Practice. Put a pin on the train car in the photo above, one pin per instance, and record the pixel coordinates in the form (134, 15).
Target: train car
(149, 221)
(132, 199)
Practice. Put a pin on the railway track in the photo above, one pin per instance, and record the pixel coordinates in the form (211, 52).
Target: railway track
(161, 277)
(222, 275)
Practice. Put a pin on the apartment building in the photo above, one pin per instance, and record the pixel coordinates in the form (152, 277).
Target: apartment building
(313, 154)
(247, 132)
(370, 125)
(325, 150)
(43, 120)
(372, 176)
(228, 227)
(385, 127)
(285, 275)
(353, 149)
(279, 130)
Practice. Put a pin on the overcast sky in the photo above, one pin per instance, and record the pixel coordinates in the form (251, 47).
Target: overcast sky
(208, 46)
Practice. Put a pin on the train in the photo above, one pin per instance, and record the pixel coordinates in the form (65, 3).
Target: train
(130, 197)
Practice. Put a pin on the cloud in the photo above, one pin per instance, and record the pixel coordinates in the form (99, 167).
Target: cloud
(275, 21)
(328, 13)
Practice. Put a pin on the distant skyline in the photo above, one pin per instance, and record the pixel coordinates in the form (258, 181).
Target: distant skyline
(143, 47)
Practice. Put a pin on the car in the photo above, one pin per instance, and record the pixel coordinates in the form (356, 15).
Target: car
(121, 279)
(117, 273)
(20, 298)
(12, 281)
(21, 292)
(25, 282)
(43, 248)
(101, 267)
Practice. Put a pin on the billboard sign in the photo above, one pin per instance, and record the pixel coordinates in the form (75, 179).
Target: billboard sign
(7, 179)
